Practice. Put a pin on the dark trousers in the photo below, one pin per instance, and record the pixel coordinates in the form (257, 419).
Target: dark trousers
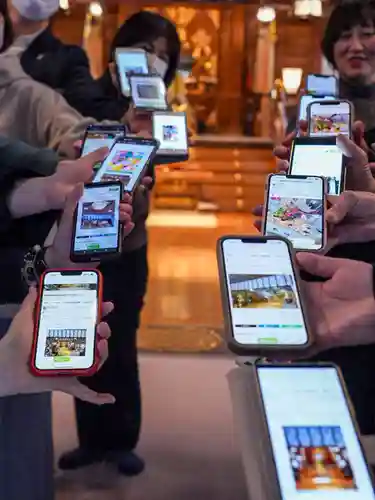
(26, 451)
(117, 427)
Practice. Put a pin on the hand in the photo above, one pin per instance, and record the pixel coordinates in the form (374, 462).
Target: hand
(15, 348)
(139, 122)
(283, 151)
(359, 170)
(351, 218)
(342, 309)
(58, 254)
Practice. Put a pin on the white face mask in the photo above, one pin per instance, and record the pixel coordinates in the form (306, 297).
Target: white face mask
(156, 64)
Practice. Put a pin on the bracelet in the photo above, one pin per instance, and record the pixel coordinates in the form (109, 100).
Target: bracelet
(34, 265)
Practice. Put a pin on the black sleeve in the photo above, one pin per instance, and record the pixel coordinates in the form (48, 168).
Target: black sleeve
(85, 94)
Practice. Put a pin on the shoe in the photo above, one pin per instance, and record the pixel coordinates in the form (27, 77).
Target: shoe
(80, 457)
(127, 462)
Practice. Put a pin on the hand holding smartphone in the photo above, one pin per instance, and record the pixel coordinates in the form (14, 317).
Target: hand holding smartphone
(67, 314)
(262, 304)
(127, 162)
(313, 440)
(98, 136)
(330, 118)
(295, 209)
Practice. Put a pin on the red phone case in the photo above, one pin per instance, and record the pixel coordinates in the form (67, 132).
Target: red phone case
(71, 372)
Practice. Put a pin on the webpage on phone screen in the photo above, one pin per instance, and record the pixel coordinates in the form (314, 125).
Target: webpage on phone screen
(128, 63)
(125, 163)
(319, 159)
(170, 131)
(67, 322)
(295, 211)
(322, 86)
(327, 120)
(264, 303)
(98, 220)
(315, 447)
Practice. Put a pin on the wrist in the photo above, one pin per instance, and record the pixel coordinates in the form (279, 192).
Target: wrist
(29, 197)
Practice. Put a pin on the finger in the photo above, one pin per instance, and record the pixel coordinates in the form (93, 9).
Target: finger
(29, 303)
(127, 198)
(147, 181)
(103, 330)
(107, 308)
(92, 158)
(125, 208)
(303, 125)
(127, 229)
(318, 265)
(342, 207)
(102, 346)
(258, 225)
(70, 206)
(125, 218)
(281, 152)
(358, 132)
(282, 166)
(287, 142)
(258, 210)
(82, 392)
(351, 150)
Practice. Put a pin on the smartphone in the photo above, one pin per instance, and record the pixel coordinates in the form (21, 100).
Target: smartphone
(313, 438)
(170, 129)
(128, 162)
(294, 209)
(321, 85)
(261, 299)
(306, 100)
(329, 118)
(99, 136)
(67, 313)
(130, 61)
(319, 156)
(97, 228)
(148, 92)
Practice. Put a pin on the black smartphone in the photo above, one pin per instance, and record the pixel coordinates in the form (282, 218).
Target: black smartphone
(97, 228)
(170, 129)
(305, 100)
(262, 303)
(99, 136)
(330, 118)
(313, 439)
(128, 162)
(319, 156)
(148, 92)
(321, 85)
(294, 208)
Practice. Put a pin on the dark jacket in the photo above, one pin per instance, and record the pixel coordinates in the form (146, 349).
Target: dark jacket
(66, 69)
(19, 161)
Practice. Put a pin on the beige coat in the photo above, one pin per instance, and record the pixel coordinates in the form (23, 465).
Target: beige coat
(39, 116)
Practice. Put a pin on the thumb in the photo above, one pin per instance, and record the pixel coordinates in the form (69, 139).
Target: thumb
(71, 202)
(358, 132)
(318, 265)
(86, 163)
(28, 304)
(342, 207)
(351, 150)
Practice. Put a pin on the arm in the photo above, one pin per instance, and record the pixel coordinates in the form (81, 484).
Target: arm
(85, 94)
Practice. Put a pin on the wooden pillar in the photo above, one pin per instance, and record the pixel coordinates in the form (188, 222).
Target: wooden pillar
(109, 28)
(231, 70)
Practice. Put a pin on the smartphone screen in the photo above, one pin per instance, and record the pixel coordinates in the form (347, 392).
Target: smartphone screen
(97, 221)
(314, 441)
(319, 156)
(295, 210)
(126, 163)
(171, 131)
(130, 61)
(327, 119)
(265, 306)
(96, 138)
(306, 100)
(148, 92)
(67, 320)
(321, 85)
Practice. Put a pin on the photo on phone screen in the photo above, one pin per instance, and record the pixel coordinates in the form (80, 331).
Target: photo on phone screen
(65, 330)
(329, 118)
(314, 441)
(319, 156)
(321, 85)
(264, 303)
(148, 92)
(295, 210)
(127, 162)
(130, 61)
(97, 229)
(99, 137)
(308, 99)
(170, 130)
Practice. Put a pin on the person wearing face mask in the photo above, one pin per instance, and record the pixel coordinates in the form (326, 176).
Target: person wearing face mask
(111, 434)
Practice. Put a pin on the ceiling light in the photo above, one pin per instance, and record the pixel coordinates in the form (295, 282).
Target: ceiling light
(266, 14)
(306, 8)
(64, 4)
(95, 9)
(291, 79)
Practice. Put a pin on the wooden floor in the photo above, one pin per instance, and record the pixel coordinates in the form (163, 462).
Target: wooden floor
(183, 293)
